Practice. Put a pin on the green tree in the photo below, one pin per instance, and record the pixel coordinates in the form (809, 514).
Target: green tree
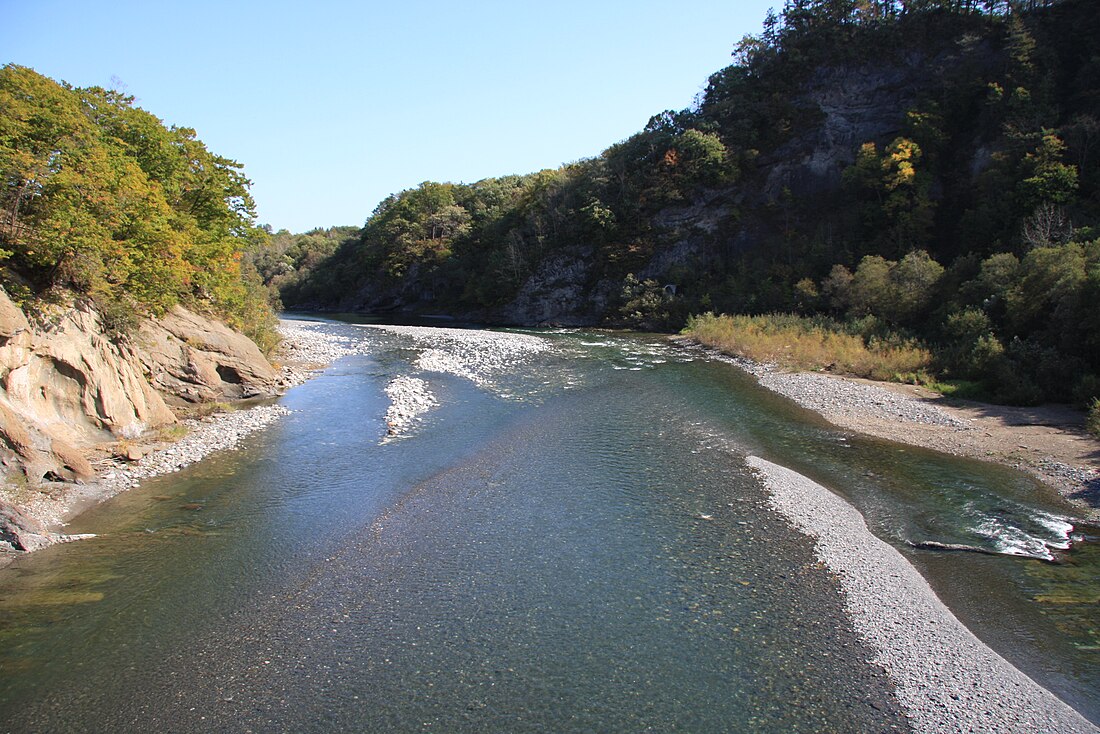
(100, 197)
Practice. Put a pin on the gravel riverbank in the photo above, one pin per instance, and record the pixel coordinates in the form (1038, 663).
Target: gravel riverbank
(410, 398)
(306, 347)
(1048, 442)
(947, 679)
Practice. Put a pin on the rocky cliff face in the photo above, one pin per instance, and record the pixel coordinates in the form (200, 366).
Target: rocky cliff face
(848, 106)
(66, 385)
(559, 293)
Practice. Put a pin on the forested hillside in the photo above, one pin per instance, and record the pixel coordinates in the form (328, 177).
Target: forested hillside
(910, 170)
(100, 198)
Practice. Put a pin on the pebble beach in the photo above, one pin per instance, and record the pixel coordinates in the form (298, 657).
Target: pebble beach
(1047, 442)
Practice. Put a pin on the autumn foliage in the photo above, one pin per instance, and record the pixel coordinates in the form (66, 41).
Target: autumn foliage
(100, 197)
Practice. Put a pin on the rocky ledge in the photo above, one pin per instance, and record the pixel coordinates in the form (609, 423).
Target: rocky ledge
(85, 414)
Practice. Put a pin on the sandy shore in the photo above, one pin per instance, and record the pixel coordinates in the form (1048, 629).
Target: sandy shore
(947, 680)
(1048, 442)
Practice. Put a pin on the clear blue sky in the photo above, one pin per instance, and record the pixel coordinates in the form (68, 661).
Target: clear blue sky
(331, 106)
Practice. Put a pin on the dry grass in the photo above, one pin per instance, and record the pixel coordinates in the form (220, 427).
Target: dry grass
(795, 342)
(172, 432)
(201, 410)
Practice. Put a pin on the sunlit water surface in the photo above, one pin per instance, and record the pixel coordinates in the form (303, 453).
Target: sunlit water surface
(573, 545)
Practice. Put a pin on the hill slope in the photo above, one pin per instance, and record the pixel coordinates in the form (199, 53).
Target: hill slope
(916, 169)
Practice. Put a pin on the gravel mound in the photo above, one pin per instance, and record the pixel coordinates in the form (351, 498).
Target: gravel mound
(947, 679)
(410, 398)
(475, 355)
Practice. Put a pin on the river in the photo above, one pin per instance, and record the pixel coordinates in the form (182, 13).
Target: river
(568, 541)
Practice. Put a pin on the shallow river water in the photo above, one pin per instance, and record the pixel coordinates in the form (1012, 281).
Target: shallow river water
(568, 543)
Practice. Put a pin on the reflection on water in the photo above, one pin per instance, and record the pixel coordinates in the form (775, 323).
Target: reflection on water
(571, 546)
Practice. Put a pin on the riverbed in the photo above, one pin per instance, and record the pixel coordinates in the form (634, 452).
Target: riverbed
(532, 531)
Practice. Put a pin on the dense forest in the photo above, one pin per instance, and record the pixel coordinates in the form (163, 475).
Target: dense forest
(919, 172)
(100, 199)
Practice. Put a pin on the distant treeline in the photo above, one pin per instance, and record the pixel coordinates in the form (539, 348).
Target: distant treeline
(99, 197)
(970, 228)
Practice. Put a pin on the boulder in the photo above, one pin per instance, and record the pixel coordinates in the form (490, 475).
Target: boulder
(21, 532)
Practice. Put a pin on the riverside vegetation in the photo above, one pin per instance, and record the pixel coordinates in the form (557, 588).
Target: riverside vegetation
(100, 199)
(916, 175)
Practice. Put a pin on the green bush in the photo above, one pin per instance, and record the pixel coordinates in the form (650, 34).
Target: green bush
(101, 198)
(1092, 422)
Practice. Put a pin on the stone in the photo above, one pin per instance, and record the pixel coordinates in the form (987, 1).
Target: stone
(195, 359)
(135, 453)
(20, 531)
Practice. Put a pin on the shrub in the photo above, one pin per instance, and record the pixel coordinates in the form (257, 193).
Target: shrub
(811, 343)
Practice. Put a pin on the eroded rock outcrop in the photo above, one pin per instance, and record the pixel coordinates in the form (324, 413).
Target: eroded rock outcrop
(193, 359)
(67, 385)
(559, 293)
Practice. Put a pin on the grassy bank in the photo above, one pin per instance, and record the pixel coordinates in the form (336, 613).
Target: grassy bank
(797, 342)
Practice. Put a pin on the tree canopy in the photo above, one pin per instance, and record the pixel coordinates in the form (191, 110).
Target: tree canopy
(954, 198)
(100, 197)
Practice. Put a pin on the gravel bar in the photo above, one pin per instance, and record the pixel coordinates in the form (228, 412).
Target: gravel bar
(947, 679)
(410, 398)
(308, 344)
(832, 396)
(475, 355)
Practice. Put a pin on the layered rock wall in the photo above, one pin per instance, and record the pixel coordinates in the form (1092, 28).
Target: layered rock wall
(67, 385)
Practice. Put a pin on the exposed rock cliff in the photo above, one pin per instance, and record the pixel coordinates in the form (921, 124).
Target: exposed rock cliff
(836, 110)
(192, 359)
(560, 293)
(66, 386)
